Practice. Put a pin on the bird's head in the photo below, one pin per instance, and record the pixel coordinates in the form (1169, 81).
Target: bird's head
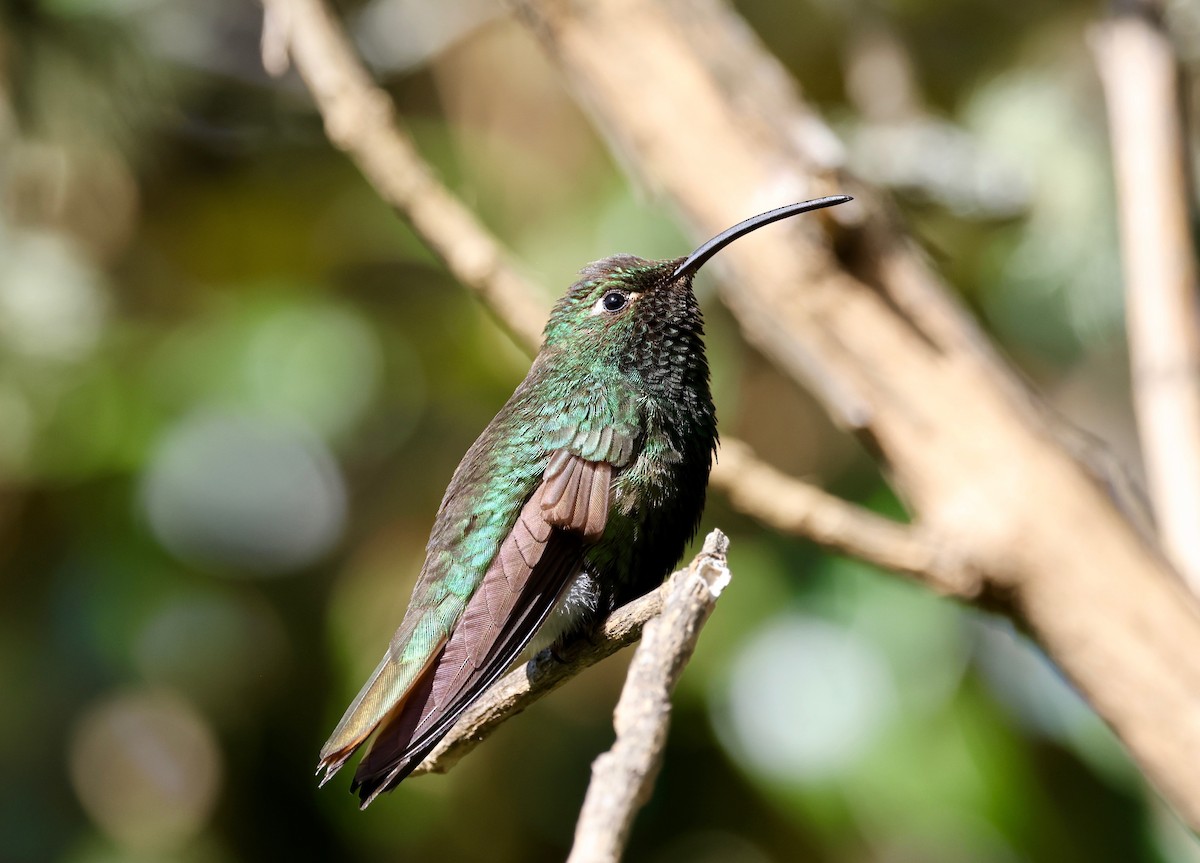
(641, 316)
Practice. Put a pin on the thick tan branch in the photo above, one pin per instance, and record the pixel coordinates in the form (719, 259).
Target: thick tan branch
(894, 358)
(623, 777)
(1140, 77)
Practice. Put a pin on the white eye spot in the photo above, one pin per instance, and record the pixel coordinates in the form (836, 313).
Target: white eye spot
(612, 302)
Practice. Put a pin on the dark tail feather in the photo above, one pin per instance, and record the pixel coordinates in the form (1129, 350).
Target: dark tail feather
(392, 755)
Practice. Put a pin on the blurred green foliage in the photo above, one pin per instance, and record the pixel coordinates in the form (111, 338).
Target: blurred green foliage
(233, 387)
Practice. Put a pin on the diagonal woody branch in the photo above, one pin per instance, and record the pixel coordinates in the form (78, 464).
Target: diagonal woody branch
(360, 120)
(1140, 76)
(875, 334)
(802, 509)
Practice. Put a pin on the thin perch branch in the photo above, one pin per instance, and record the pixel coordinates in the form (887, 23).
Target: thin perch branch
(539, 677)
(1140, 78)
(623, 777)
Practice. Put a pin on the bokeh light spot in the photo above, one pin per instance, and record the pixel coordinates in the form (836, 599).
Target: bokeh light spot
(316, 363)
(51, 306)
(243, 492)
(146, 770)
(805, 699)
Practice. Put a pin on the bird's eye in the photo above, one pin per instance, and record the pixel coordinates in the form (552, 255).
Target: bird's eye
(614, 301)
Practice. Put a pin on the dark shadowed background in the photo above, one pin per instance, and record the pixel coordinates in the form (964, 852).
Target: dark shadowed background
(233, 387)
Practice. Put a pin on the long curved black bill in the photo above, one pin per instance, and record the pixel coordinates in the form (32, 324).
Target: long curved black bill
(699, 258)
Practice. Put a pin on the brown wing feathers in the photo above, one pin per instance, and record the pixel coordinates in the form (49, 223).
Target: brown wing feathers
(576, 494)
(529, 572)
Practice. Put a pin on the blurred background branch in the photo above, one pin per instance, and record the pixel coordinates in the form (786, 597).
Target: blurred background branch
(1140, 74)
(360, 119)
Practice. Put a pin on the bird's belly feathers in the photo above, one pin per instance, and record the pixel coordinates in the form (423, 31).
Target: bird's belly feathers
(575, 610)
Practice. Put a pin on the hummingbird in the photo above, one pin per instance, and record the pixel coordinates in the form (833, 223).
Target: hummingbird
(579, 496)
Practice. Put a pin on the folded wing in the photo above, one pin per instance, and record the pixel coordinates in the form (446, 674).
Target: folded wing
(533, 565)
